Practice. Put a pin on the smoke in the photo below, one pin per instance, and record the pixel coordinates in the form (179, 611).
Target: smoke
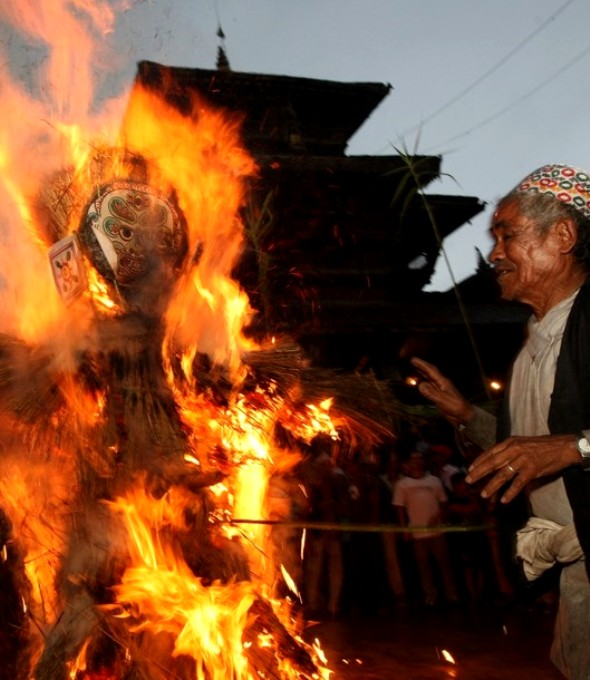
(53, 57)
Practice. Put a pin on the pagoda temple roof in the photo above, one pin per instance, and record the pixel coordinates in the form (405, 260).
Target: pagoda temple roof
(353, 239)
(318, 116)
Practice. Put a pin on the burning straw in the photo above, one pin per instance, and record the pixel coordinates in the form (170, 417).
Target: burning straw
(144, 419)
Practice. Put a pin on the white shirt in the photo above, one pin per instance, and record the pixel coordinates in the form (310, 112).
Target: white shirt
(422, 500)
(531, 386)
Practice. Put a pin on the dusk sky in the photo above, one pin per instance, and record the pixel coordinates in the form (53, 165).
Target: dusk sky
(497, 88)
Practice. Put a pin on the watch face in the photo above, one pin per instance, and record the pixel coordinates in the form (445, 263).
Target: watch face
(584, 446)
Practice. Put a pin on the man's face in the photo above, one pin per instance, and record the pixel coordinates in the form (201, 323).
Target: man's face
(416, 465)
(525, 261)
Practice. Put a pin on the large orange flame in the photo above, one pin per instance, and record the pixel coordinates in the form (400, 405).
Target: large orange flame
(202, 158)
(52, 157)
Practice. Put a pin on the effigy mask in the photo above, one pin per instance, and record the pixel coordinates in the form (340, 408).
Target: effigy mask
(130, 230)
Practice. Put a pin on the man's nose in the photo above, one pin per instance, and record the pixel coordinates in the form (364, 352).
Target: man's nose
(497, 252)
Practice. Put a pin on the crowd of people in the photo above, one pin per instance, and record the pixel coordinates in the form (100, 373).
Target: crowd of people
(400, 527)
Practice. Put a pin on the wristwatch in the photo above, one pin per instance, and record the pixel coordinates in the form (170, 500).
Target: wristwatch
(583, 446)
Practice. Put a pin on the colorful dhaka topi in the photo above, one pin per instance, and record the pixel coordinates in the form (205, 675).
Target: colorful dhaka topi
(567, 184)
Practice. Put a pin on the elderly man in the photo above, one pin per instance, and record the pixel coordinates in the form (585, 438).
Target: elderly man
(541, 257)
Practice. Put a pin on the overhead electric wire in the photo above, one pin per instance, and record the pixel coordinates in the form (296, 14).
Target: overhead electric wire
(578, 57)
(489, 72)
(516, 102)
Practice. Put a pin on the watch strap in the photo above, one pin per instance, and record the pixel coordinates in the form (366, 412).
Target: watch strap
(584, 454)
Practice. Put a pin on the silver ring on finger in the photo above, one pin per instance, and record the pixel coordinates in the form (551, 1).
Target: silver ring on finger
(512, 470)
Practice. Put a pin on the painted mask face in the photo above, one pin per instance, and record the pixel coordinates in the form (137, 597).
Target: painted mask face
(136, 230)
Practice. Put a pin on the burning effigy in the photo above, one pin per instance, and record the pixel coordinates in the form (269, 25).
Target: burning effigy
(139, 422)
(129, 568)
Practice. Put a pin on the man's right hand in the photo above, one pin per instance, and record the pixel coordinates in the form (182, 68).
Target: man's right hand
(441, 391)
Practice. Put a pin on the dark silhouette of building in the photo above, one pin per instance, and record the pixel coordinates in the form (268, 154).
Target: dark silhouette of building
(340, 247)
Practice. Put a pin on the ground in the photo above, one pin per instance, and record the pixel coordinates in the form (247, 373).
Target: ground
(488, 643)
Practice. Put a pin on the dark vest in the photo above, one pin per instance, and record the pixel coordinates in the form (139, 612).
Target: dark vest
(570, 407)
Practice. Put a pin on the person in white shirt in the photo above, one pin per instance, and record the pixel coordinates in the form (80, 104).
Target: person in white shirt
(421, 502)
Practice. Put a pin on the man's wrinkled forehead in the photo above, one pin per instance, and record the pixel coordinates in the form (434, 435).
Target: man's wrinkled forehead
(506, 216)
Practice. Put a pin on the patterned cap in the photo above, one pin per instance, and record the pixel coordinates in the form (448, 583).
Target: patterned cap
(567, 184)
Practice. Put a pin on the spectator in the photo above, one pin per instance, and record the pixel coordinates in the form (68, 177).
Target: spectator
(444, 464)
(421, 503)
(471, 549)
(364, 567)
(390, 540)
(328, 493)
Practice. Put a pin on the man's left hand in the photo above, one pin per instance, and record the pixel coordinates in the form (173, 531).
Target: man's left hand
(519, 460)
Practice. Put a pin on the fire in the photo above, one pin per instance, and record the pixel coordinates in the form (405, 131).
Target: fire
(206, 622)
(314, 420)
(40, 510)
(126, 485)
(447, 656)
(290, 582)
(202, 158)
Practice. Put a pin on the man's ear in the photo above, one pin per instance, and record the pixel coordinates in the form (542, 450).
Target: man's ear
(567, 234)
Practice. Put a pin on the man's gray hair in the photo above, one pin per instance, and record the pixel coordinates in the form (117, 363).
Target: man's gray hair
(545, 210)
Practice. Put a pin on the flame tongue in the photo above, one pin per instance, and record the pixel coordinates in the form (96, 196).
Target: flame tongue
(158, 579)
(205, 622)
